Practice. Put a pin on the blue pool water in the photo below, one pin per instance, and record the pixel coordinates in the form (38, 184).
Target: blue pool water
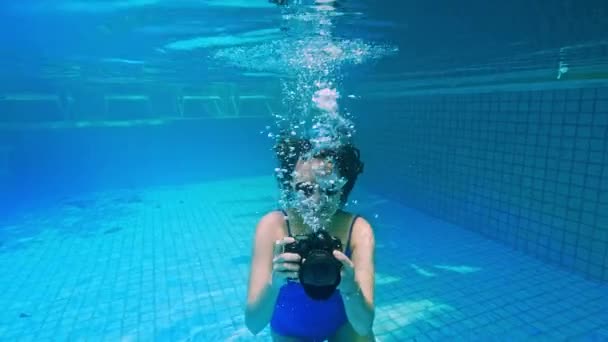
(136, 160)
(149, 265)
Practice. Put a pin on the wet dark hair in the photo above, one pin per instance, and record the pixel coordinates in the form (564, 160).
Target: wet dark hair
(290, 149)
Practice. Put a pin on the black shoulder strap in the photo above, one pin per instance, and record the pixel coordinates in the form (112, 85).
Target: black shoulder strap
(350, 232)
(286, 221)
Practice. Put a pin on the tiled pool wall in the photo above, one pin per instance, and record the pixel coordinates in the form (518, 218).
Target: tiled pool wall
(527, 168)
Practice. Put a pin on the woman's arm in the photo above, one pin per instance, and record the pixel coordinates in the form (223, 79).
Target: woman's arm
(359, 303)
(261, 295)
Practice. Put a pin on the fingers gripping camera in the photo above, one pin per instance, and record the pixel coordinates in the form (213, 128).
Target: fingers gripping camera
(319, 270)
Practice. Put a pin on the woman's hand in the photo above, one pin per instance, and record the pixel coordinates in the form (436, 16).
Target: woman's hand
(284, 265)
(348, 284)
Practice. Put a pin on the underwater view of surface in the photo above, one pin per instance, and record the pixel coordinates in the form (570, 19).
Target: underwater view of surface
(303, 170)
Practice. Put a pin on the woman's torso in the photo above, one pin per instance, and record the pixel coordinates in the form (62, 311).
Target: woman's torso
(295, 313)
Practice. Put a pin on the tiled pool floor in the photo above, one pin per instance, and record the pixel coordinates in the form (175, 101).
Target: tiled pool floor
(170, 264)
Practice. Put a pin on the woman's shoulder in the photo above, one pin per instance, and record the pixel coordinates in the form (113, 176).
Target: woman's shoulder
(271, 223)
(358, 221)
(274, 215)
(353, 215)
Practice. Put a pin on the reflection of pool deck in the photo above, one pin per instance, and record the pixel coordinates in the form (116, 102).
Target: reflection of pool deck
(170, 264)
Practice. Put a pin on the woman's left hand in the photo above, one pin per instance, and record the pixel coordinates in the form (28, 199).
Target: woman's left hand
(348, 284)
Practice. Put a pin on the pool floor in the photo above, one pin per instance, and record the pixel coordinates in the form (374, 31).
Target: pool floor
(171, 264)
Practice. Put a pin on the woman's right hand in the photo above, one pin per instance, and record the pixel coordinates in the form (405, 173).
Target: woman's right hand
(284, 265)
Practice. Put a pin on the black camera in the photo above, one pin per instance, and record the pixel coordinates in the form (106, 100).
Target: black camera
(319, 270)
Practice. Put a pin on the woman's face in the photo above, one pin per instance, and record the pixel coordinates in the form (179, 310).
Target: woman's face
(317, 189)
(311, 177)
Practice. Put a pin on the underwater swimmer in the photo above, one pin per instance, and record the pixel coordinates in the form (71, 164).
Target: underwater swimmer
(276, 292)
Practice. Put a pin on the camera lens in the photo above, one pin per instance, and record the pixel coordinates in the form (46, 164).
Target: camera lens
(320, 269)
